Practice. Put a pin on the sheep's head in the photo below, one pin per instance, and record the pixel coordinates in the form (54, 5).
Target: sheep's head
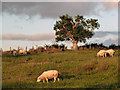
(38, 79)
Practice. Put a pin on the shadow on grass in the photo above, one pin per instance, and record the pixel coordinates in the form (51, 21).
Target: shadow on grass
(67, 77)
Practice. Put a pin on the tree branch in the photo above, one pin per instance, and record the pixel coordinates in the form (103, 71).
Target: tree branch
(74, 25)
(68, 33)
(61, 29)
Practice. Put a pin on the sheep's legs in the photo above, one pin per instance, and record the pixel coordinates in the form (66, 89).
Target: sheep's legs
(58, 79)
(54, 79)
(47, 80)
(43, 80)
(105, 54)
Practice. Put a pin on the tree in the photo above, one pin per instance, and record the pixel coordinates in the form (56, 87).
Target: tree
(77, 29)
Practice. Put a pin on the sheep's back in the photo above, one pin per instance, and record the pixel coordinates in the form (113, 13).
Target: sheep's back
(50, 74)
(101, 51)
(110, 51)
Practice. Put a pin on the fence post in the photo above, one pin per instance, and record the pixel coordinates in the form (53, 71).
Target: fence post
(18, 49)
(32, 48)
(10, 50)
(90, 47)
(26, 48)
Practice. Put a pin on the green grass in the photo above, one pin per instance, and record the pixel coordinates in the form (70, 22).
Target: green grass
(78, 69)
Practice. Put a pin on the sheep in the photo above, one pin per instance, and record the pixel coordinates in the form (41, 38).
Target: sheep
(22, 52)
(110, 52)
(101, 53)
(48, 75)
(14, 53)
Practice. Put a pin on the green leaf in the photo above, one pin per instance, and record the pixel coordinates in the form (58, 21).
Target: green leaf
(83, 30)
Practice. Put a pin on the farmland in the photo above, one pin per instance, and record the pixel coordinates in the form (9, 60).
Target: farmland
(78, 69)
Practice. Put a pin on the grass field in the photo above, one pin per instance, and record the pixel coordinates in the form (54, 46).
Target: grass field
(78, 69)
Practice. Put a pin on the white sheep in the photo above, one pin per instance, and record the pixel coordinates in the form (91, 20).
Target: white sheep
(101, 53)
(110, 52)
(48, 75)
(22, 52)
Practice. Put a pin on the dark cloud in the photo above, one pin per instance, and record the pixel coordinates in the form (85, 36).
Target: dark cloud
(53, 9)
(48, 9)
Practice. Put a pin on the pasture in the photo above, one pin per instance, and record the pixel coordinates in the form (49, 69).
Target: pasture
(78, 69)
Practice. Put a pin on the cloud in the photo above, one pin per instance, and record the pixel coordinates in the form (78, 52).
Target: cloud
(100, 37)
(28, 37)
(103, 34)
(110, 41)
(60, 1)
(107, 38)
(50, 10)
(0, 7)
(55, 9)
(110, 5)
(15, 40)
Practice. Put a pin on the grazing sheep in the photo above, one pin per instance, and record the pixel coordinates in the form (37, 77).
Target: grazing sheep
(48, 75)
(22, 52)
(101, 53)
(14, 53)
(110, 52)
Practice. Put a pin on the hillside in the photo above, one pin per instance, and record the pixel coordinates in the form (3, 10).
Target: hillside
(78, 69)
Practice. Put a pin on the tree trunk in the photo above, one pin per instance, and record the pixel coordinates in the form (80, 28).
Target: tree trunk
(75, 47)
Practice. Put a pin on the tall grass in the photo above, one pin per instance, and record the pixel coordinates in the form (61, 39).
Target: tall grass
(78, 69)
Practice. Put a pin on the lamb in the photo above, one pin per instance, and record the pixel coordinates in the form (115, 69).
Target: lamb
(110, 52)
(48, 75)
(22, 52)
(101, 53)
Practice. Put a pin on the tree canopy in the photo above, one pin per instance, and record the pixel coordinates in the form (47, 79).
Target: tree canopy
(75, 29)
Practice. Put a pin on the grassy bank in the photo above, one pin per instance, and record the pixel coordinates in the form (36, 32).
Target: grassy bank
(80, 69)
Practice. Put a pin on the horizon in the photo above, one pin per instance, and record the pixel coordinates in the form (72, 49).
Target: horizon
(107, 39)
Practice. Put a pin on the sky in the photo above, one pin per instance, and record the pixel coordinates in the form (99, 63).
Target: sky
(35, 20)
